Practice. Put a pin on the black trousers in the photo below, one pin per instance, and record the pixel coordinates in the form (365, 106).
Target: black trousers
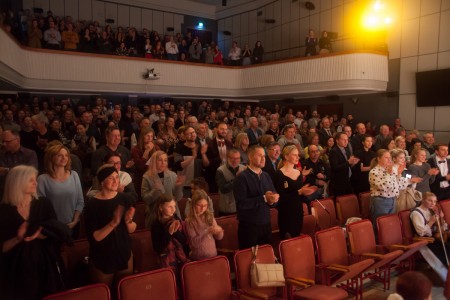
(250, 235)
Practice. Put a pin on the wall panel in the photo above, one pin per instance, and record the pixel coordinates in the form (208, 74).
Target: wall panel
(44, 4)
(236, 25)
(136, 17)
(244, 24)
(147, 19)
(429, 34)
(111, 12)
(178, 20)
(158, 20)
(410, 38)
(285, 11)
(57, 7)
(98, 11)
(252, 22)
(71, 9)
(85, 10)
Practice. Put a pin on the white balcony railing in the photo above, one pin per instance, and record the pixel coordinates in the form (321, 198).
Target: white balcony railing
(57, 71)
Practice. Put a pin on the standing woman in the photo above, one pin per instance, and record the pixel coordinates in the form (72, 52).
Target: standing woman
(160, 180)
(242, 142)
(168, 135)
(141, 153)
(62, 186)
(385, 185)
(288, 182)
(258, 53)
(361, 175)
(29, 260)
(421, 169)
(310, 43)
(109, 221)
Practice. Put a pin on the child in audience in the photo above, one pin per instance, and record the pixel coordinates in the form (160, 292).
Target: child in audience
(168, 238)
(198, 183)
(201, 228)
(412, 286)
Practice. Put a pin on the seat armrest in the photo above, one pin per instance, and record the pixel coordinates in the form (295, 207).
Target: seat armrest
(225, 250)
(253, 294)
(430, 240)
(300, 282)
(337, 267)
(398, 247)
(373, 255)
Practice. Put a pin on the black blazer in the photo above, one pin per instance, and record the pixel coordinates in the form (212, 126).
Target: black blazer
(435, 186)
(251, 136)
(214, 162)
(269, 168)
(323, 136)
(339, 167)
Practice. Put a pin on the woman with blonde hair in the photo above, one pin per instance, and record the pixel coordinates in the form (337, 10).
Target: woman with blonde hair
(421, 169)
(62, 186)
(241, 143)
(288, 182)
(160, 180)
(30, 237)
(201, 228)
(385, 185)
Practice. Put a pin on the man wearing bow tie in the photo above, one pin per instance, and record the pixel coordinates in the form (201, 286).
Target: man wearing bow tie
(441, 185)
(217, 155)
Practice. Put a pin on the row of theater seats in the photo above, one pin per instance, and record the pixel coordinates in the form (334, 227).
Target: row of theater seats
(329, 254)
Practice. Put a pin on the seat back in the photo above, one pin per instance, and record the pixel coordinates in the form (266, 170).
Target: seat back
(309, 225)
(145, 258)
(215, 197)
(332, 246)
(76, 258)
(361, 237)
(139, 215)
(325, 218)
(297, 256)
(364, 204)
(274, 220)
(347, 206)
(445, 206)
(207, 279)
(243, 260)
(182, 207)
(389, 230)
(230, 233)
(407, 229)
(305, 209)
(157, 284)
(98, 291)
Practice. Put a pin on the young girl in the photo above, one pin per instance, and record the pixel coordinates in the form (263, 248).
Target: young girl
(168, 237)
(202, 228)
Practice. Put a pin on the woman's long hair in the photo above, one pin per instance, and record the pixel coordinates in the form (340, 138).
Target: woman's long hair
(196, 197)
(16, 181)
(151, 172)
(50, 153)
(142, 134)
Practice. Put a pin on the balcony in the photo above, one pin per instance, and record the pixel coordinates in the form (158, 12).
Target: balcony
(344, 73)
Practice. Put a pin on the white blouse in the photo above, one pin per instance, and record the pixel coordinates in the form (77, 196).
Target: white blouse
(385, 184)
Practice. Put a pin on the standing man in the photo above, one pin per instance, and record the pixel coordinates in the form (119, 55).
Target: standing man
(216, 155)
(441, 185)
(253, 132)
(325, 132)
(254, 193)
(272, 158)
(320, 174)
(341, 162)
(225, 176)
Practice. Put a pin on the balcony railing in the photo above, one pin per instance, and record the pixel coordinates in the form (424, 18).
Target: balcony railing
(351, 72)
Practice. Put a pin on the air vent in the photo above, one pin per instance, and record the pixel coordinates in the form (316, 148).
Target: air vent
(270, 21)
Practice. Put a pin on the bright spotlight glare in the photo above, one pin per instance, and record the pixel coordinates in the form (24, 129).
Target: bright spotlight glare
(387, 20)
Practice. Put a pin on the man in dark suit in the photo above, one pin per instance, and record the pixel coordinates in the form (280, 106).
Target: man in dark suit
(341, 162)
(441, 185)
(320, 174)
(272, 158)
(217, 155)
(253, 132)
(325, 132)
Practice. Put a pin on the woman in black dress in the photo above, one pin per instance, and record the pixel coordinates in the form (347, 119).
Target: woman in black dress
(109, 221)
(360, 178)
(30, 236)
(288, 182)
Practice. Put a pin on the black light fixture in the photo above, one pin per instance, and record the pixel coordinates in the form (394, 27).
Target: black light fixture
(109, 21)
(310, 6)
(270, 21)
(226, 32)
(170, 29)
(224, 2)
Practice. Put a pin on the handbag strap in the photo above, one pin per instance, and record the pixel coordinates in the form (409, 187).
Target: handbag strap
(255, 252)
